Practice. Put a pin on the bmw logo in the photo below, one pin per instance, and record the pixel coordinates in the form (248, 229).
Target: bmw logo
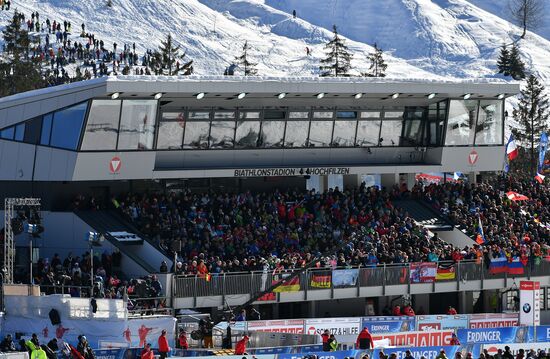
(526, 308)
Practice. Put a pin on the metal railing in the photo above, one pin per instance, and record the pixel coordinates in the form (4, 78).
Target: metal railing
(227, 284)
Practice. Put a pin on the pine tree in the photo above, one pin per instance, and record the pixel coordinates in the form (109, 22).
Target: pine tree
(18, 72)
(244, 62)
(517, 67)
(168, 58)
(532, 116)
(337, 62)
(503, 62)
(377, 64)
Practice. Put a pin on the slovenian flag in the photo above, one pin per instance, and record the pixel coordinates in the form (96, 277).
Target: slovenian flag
(511, 148)
(498, 265)
(539, 178)
(480, 238)
(515, 267)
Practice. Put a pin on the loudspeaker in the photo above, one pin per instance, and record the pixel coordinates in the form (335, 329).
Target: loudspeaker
(54, 317)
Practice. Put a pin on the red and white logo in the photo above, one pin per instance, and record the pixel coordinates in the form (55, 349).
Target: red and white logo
(115, 164)
(472, 157)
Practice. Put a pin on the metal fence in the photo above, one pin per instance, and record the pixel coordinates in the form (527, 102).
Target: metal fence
(224, 284)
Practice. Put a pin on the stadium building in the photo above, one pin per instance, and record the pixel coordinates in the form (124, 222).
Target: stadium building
(129, 133)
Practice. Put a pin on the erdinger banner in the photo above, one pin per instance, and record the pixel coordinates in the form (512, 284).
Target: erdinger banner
(496, 335)
(417, 339)
(294, 326)
(543, 334)
(439, 322)
(429, 352)
(388, 324)
(498, 320)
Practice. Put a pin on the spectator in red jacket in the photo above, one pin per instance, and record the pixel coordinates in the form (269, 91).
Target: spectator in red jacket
(451, 311)
(147, 352)
(182, 339)
(240, 347)
(325, 337)
(364, 340)
(164, 348)
(454, 340)
(397, 311)
(408, 311)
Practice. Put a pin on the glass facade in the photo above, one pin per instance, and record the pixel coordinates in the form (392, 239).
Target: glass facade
(137, 125)
(102, 126)
(133, 125)
(67, 125)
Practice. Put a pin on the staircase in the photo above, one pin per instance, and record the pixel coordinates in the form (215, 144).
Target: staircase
(142, 252)
(425, 215)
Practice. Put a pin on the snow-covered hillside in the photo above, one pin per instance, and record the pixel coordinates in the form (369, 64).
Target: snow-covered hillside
(426, 38)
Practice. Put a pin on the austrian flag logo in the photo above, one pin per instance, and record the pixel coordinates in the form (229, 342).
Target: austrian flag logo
(115, 164)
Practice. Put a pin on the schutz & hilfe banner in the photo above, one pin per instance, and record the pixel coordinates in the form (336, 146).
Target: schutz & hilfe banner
(439, 322)
(388, 324)
(496, 335)
(345, 329)
(417, 339)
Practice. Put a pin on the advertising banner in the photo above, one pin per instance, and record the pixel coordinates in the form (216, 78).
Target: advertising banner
(294, 326)
(345, 329)
(439, 322)
(497, 320)
(344, 277)
(529, 302)
(423, 272)
(353, 354)
(496, 335)
(320, 280)
(388, 324)
(430, 352)
(543, 334)
(417, 339)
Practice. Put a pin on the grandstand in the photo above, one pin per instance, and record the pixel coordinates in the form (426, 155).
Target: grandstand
(150, 162)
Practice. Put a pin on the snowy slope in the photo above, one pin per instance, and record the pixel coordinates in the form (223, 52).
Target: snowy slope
(211, 35)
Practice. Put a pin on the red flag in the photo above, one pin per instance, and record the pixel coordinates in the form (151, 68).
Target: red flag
(514, 196)
(539, 178)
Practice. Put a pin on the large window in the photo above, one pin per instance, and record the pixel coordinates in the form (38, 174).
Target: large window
(137, 125)
(32, 130)
(272, 134)
(413, 127)
(344, 133)
(462, 119)
(222, 134)
(196, 135)
(171, 130)
(296, 133)
(46, 129)
(390, 133)
(67, 125)
(368, 132)
(246, 134)
(102, 127)
(320, 133)
(7, 133)
(489, 123)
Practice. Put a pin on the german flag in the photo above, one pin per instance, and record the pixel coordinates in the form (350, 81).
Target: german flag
(445, 272)
(292, 285)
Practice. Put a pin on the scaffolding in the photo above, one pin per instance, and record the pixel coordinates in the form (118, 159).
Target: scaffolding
(11, 205)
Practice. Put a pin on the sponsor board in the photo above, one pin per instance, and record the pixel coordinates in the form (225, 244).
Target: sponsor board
(388, 324)
(496, 335)
(430, 352)
(357, 354)
(499, 320)
(345, 329)
(294, 326)
(417, 339)
(439, 322)
(492, 349)
(543, 334)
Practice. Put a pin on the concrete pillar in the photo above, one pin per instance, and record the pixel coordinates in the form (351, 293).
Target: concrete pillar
(336, 181)
(421, 302)
(352, 181)
(463, 299)
(389, 179)
(311, 309)
(472, 177)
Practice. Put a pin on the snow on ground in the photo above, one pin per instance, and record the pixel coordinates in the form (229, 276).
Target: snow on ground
(211, 34)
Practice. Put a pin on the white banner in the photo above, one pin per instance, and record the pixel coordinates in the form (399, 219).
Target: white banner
(344, 329)
(134, 332)
(529, 302)
(497, 320)
(294, 326)
(125, 237)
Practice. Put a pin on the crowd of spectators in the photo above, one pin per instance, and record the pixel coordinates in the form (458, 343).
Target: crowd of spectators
(511, 229)
(223, 232)
(218, 232)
